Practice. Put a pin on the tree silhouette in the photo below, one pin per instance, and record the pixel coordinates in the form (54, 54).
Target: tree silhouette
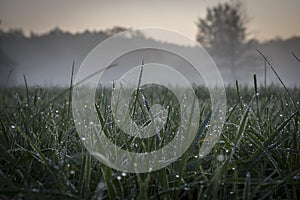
(223, 32)
(115, 30)
(6, 63)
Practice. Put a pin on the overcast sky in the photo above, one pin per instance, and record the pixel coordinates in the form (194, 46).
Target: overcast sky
(268, 18)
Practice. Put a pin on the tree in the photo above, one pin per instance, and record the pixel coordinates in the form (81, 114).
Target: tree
(6, 63)
(115, 30)
(223, 32)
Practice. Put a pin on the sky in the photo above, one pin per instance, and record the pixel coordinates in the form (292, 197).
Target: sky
(268, 19)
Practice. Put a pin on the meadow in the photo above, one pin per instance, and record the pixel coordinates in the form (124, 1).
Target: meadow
(257, 156)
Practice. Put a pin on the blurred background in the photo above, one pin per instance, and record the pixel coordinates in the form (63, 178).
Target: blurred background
(41, 39)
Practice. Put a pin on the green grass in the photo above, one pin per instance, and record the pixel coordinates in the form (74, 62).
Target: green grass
(257, 157)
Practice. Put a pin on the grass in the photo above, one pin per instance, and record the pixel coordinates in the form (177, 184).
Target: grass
(257, 157)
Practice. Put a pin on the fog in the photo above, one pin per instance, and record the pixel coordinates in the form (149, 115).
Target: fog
(46, 60)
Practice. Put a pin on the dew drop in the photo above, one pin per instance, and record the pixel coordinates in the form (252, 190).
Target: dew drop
(13, 126)
(248, 175)
(186, 188)
(119, 177)
(220, 157)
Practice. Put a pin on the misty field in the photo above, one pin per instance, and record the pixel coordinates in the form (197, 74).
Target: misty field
(257, 156)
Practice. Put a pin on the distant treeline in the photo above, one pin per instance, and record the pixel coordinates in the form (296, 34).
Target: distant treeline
(46, 59)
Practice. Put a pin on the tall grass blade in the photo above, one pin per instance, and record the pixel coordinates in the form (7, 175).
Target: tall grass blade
(278, 77)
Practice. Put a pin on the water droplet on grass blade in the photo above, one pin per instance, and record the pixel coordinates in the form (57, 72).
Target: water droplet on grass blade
(186, 188)
(35, 190)
(248, 175)
(220, 157)
(296, 177)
